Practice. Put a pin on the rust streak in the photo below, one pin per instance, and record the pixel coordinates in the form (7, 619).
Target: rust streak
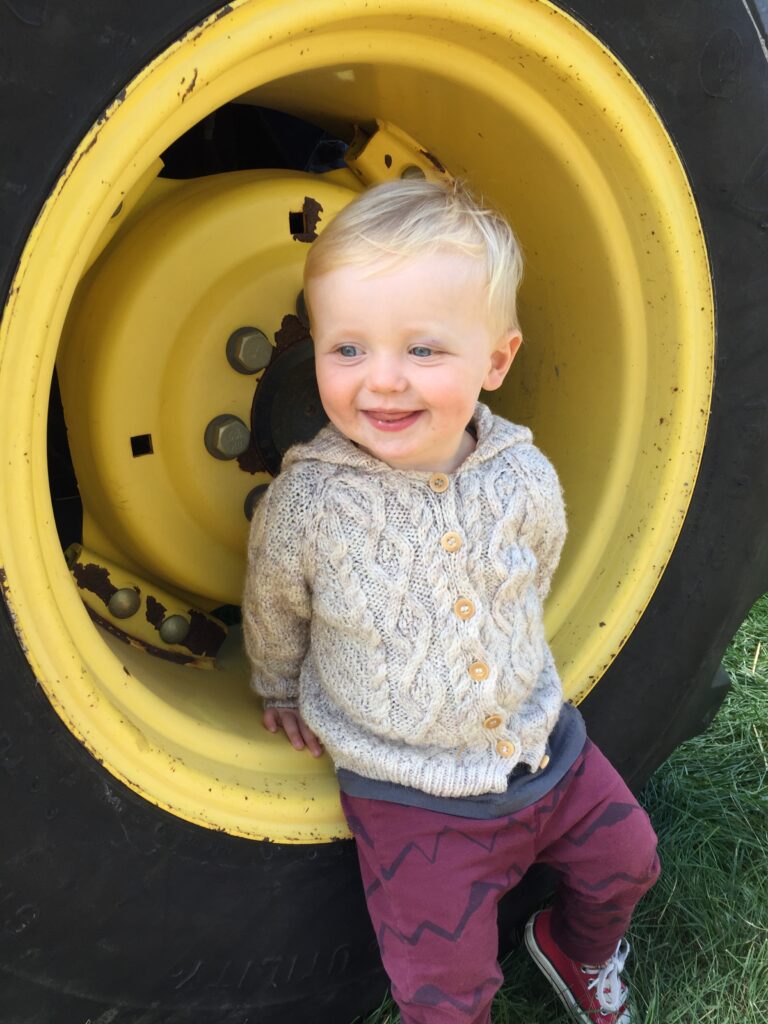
(190, 87)
(157, 652)
(433, 160)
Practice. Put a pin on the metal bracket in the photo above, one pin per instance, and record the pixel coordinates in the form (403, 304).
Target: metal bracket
(143, 614)
(389, 154)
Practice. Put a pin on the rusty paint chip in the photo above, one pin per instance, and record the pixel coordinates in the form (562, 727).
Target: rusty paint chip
(94, 578)
(311, 211)
(251, 460)
(155, 611)
(205, 636)
(290, 333)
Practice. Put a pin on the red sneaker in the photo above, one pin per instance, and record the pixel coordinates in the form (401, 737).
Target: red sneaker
(592, 994)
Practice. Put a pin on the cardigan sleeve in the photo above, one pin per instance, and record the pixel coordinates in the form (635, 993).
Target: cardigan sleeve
(550, 520)
(277, 600)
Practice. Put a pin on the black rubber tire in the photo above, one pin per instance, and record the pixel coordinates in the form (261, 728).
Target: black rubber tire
(704, 67)
(117, 912)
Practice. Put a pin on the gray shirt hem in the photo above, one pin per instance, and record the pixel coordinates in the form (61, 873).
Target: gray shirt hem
(565, 743)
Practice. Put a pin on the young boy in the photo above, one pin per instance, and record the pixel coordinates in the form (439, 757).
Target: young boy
(393, 614)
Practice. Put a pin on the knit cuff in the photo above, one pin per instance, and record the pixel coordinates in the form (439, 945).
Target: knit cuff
(280, 692)
(282, 702)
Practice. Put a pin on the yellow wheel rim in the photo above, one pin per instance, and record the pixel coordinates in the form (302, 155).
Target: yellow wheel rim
(614, 377)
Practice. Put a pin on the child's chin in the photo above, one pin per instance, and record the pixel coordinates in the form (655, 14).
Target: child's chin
(396, 457)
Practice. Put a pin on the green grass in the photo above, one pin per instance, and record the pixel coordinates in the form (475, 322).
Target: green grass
(700, 937)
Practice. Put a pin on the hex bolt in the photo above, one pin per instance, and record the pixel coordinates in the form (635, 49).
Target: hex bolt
(124, 602)
(248, 350)
(226, 437)
(412, 171)
(174, 629)
(252, 500)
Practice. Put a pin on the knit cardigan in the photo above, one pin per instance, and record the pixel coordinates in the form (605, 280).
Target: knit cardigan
(401, 611)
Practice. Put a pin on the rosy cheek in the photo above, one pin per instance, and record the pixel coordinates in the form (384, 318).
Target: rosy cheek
(334, 387)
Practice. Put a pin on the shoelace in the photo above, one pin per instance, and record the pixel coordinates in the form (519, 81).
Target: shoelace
(608, 986)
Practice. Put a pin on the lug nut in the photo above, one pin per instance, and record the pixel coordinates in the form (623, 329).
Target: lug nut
(174, 629)
(412, 171)
(226, 437)
(252, 500)
(248, 350)
(124, 602)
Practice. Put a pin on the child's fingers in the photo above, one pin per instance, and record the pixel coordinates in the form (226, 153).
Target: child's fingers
(311, 740)
(271, 719)
(290, 723)
(274, 719)
(295, 728)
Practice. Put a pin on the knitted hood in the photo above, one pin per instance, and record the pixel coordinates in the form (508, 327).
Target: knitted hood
(494, 434)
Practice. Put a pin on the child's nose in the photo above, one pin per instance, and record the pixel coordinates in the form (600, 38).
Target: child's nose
(385, 373)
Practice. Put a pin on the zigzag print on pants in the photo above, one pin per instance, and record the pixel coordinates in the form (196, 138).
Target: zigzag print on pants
(433, 882)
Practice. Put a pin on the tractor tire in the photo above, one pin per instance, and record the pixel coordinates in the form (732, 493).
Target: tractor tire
(128, 903)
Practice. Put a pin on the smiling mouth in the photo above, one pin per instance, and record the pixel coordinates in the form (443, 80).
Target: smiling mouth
(391, 420)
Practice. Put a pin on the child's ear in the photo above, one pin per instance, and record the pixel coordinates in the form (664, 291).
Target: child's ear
(501, 359)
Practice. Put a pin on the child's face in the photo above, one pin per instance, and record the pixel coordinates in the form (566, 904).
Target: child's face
(402, 353)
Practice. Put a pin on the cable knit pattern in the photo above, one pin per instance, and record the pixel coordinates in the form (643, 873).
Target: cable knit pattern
(350, 612)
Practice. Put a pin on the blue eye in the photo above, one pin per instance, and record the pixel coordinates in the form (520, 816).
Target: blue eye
(348, 351)
(422, 351)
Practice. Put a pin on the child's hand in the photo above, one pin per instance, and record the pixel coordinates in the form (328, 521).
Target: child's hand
(295, 728)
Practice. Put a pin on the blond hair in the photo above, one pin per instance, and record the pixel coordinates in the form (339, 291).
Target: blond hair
(401, 220)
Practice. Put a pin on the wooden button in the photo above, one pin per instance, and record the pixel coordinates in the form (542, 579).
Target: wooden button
(451, 541)
(479, 670)
(439, 482)
(493, 722)
(464, 608)
(543, 762)
(504, 748)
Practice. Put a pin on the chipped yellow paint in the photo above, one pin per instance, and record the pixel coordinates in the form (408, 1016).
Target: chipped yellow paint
(614, 376)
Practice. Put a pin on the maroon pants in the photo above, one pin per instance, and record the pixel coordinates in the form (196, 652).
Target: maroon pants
(432, 882)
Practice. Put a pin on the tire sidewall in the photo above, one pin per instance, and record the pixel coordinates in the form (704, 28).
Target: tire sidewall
(116, 906)
(704, 68)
